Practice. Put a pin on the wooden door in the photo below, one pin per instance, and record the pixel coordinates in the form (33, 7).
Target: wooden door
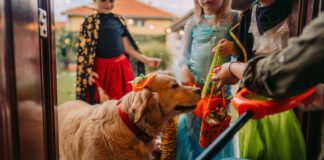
(305, 11)
(27, 84)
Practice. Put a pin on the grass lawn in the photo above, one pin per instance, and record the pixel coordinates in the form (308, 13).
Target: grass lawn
(65, 86)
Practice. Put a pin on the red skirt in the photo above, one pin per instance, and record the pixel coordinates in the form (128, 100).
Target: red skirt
(114, 76)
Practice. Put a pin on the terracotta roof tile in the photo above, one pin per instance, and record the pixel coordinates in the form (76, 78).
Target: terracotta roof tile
(128, 8)
(79, 10)
(60, 24)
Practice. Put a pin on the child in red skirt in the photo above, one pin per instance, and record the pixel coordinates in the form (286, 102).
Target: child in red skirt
(103, 40)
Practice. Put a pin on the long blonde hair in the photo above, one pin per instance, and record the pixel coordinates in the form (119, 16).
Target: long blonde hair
(222, 13)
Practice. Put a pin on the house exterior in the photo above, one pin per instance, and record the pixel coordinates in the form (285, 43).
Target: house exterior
(60, 24)
(142, 19)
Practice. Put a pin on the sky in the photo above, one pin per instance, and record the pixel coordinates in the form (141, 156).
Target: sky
(177, 7)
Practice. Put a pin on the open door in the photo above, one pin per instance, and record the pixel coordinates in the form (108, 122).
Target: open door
(311, 122)
(28, 80)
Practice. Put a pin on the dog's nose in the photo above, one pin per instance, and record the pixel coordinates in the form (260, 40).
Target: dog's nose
(198, 90)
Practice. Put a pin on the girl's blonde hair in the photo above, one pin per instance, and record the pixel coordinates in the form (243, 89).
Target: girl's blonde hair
(222, 13)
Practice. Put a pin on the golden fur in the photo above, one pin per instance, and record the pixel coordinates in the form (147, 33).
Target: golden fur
(97, 133)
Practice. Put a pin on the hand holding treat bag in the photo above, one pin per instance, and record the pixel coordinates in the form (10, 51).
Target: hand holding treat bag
(212, 108)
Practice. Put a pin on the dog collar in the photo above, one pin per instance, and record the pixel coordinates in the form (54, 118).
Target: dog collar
(139, 133)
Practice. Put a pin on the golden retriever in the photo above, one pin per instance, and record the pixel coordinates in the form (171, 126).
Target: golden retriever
(97, 132)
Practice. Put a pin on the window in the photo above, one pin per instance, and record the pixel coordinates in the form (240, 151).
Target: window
(136, 22)
(139, 23)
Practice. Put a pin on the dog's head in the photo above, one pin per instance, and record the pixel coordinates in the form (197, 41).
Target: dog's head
(152, 107)
(174, 98)
(161, 101)
(164, 96)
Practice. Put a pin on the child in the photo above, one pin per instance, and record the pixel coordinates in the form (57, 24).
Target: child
(103, 40)
(213, 19)
(264, 31)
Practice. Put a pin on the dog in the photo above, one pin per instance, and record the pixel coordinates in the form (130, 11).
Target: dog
(98, 133)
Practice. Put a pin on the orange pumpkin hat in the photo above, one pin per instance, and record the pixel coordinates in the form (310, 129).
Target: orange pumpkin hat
(143, 81)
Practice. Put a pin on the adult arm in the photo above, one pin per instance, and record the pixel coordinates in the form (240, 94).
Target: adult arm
(292, 71)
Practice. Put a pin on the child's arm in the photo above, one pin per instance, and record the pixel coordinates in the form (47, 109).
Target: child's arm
(150, 61)
(186, 76)
(84, 69)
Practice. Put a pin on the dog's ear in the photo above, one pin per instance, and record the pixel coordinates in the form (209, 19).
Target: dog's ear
(140, 103)
(166, 73)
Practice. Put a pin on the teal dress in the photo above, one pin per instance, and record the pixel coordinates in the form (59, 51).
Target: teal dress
(198, 41)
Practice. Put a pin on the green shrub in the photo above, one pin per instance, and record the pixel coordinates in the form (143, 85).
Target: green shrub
(146, 39)
(158, 50)
(66, 50)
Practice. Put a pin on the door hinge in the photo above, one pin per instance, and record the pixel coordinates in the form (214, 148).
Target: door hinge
(42, 23)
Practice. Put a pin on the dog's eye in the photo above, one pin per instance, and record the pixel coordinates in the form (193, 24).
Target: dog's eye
(176, 85)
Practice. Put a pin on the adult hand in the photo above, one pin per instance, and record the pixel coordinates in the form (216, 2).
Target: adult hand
(153, 62)
(92, 77)
(223, 76)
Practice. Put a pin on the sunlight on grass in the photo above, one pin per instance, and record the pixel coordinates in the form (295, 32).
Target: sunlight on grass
(65, 86)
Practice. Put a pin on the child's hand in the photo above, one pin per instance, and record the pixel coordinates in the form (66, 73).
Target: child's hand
(153, 62)
(186, 77)
(227, 47)
(92, 77)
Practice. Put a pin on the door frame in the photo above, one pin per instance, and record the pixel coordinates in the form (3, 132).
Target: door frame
(47, 49)
(10, 138)
(304, 11)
